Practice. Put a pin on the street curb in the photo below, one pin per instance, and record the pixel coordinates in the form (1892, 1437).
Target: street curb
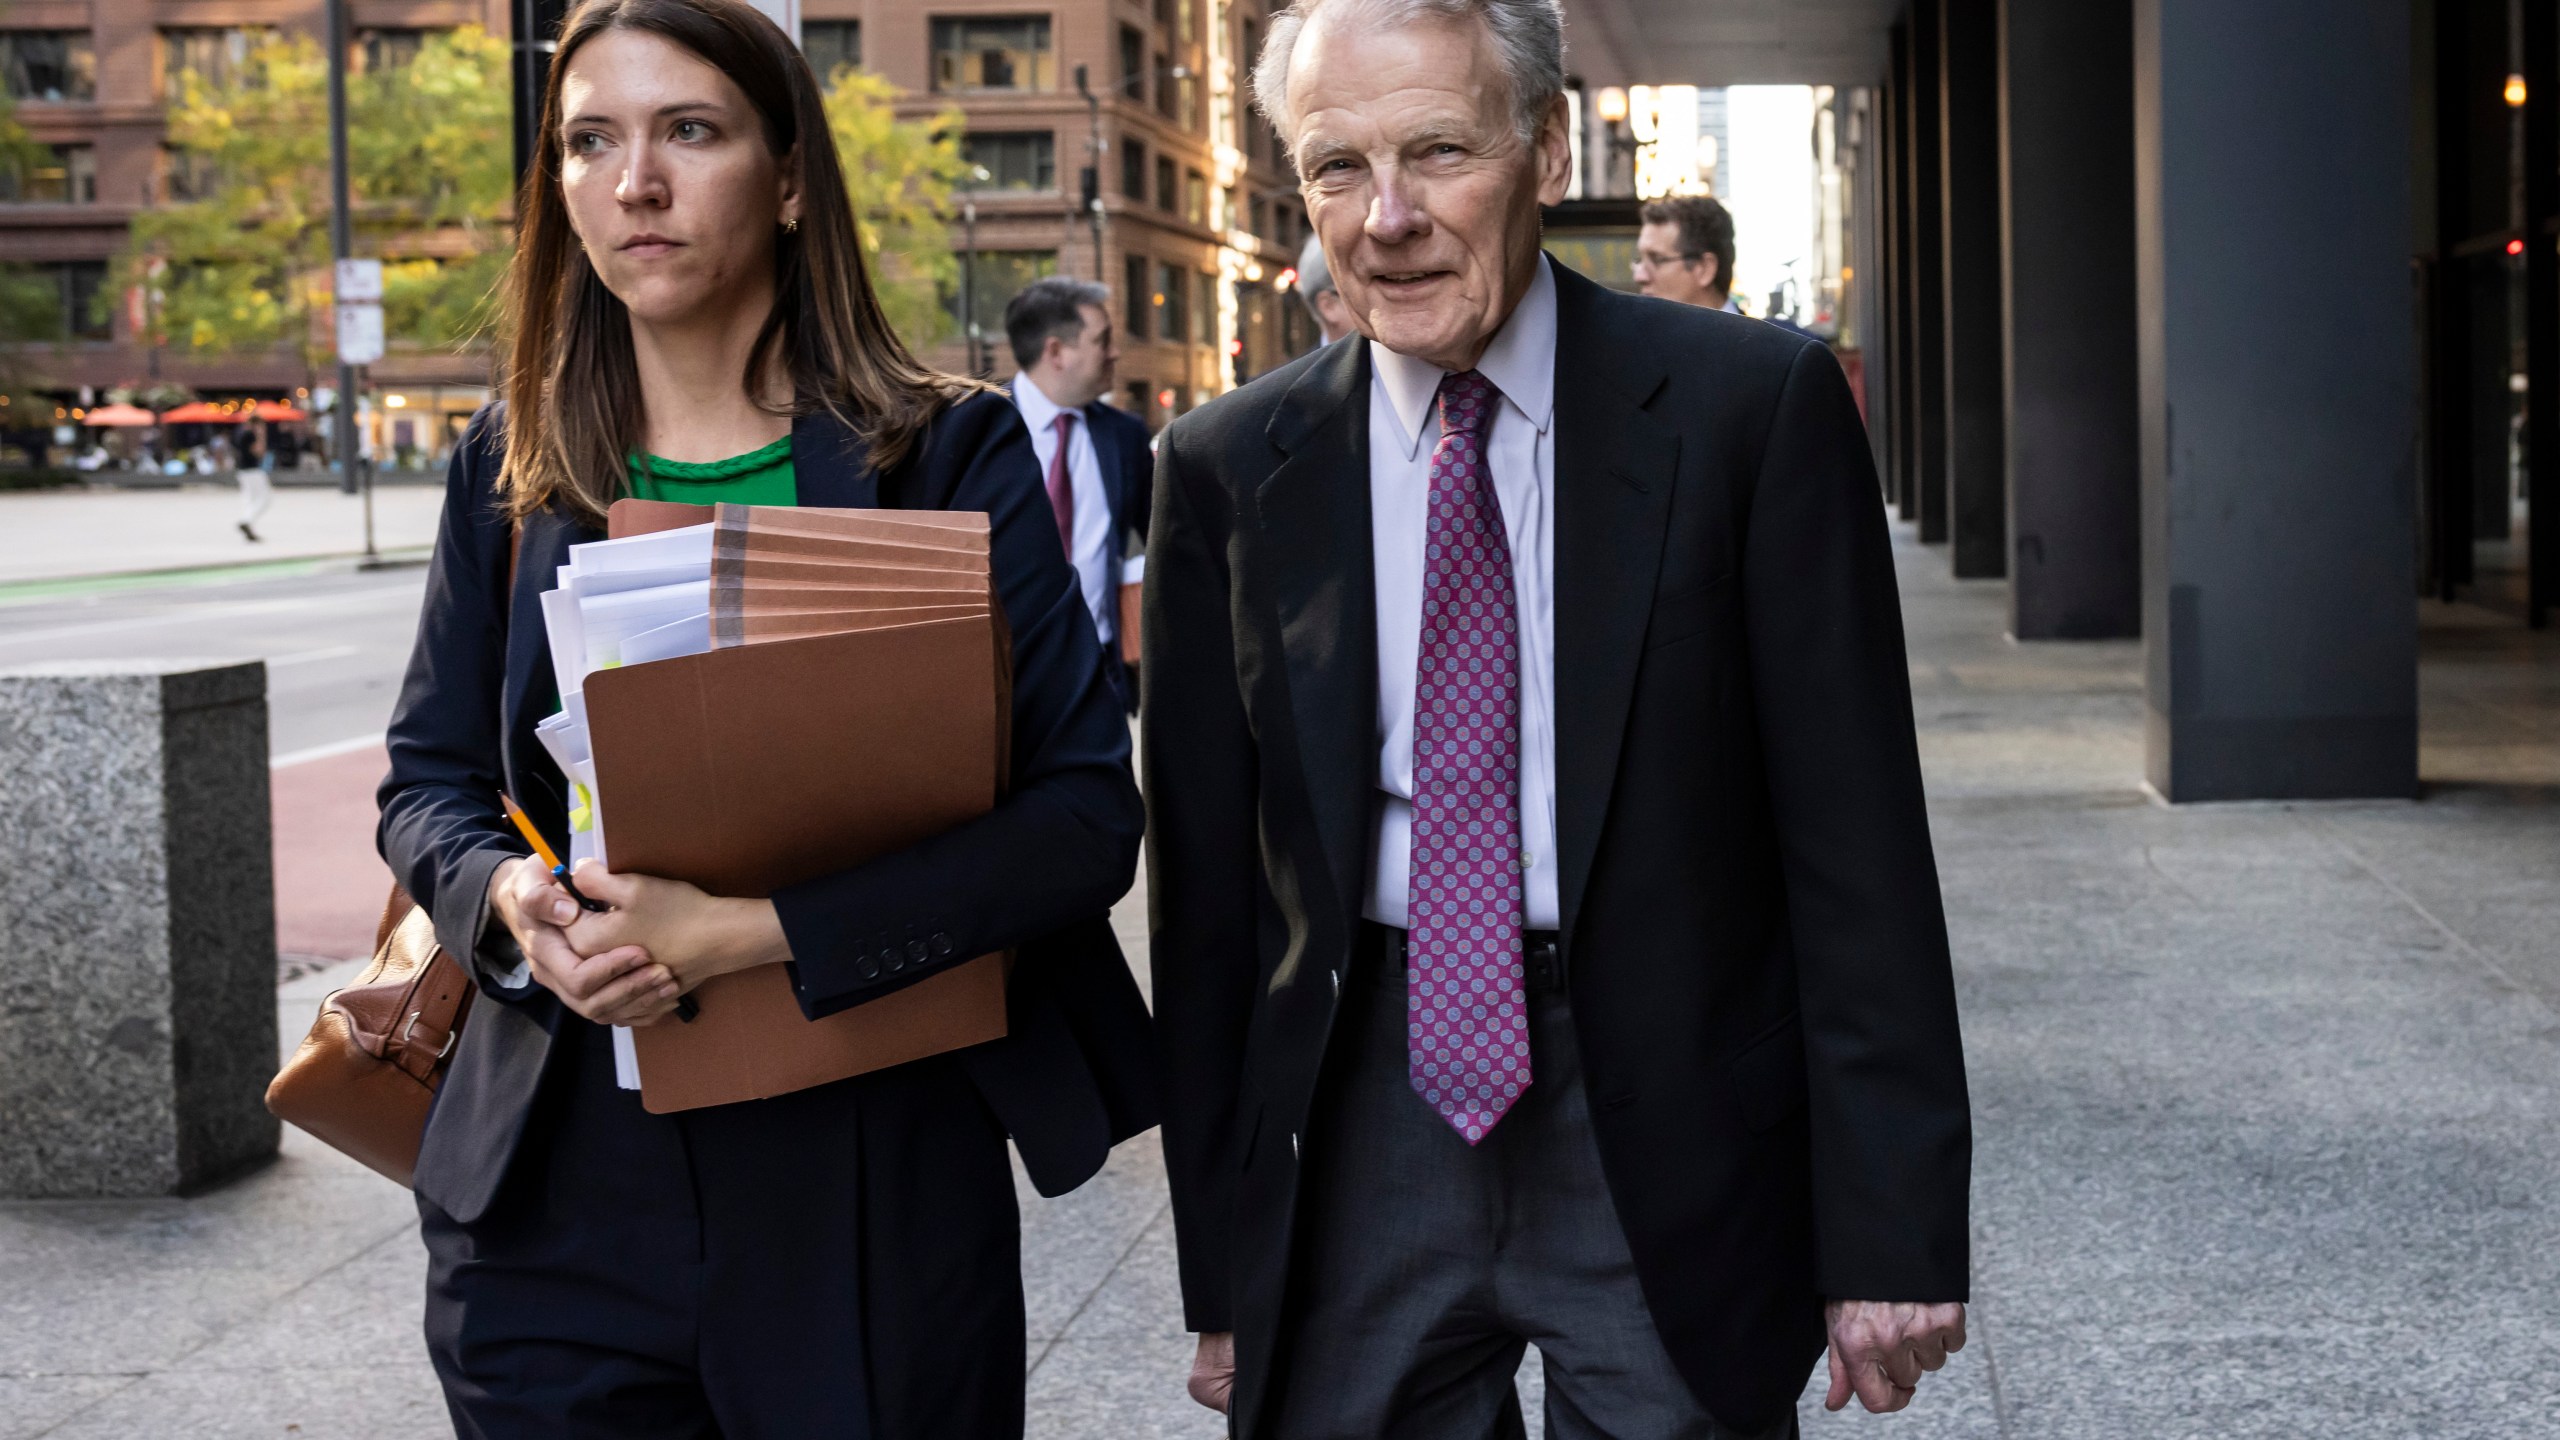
(52, 586)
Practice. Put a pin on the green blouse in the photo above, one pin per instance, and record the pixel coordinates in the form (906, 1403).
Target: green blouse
(759, 477)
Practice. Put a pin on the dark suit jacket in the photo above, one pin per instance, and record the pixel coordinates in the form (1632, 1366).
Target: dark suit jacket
(1039, 872)
(1752, 930)
(1128, 488)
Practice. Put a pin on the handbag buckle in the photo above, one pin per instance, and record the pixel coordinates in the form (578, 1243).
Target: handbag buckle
(409, 1032)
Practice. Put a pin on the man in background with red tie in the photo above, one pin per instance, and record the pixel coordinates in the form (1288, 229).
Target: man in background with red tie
(1094, 455)
(1546, 940)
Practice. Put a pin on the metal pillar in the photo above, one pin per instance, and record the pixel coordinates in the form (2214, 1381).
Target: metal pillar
(2278, 405)
(2073, 388)
(1969, 104)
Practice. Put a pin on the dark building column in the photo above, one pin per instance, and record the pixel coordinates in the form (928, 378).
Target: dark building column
(1977, 429)
(2541, 40)
(2278, 404)
(1885, 224)
(1928, 276)
(2074, 390)
(1900, 227)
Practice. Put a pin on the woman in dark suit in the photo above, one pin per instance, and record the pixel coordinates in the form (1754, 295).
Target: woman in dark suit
(690, 318)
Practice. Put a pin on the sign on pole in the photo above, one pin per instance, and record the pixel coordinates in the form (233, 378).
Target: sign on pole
(359, 282)
(359, 334)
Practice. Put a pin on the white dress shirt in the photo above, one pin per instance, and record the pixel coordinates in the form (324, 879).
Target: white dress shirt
(1404, 425)
(1094, 555)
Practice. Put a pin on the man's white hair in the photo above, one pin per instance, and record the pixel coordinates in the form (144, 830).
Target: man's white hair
(1528, 35)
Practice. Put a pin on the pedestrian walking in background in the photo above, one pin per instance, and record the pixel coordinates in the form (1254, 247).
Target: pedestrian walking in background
(1323, 299)
(1684, 251)
(1546, 939)
(255, 466)
(1100, 474)
(689, 315)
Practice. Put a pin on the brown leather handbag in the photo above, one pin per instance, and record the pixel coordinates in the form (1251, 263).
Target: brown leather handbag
(365, 1077)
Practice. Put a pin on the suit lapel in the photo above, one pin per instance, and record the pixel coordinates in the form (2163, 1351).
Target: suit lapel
(1317, 559)
(531, 692)
(830, 467)
(1106, 465)
(1615, 469)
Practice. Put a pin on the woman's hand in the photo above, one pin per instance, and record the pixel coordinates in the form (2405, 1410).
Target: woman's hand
(615, 985)
(693, 935)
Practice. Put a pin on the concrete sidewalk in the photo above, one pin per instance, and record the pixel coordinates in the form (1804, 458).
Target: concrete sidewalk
(2268, 1134)
(59, 535)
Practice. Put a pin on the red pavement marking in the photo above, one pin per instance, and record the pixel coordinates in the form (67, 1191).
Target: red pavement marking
(330, 884)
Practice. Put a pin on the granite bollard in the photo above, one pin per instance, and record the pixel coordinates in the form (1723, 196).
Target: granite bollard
(137, 927)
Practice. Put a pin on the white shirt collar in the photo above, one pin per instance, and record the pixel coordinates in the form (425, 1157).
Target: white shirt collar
(1039, 412)
(1521, 363)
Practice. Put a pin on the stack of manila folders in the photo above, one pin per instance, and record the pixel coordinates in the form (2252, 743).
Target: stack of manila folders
(753, 696)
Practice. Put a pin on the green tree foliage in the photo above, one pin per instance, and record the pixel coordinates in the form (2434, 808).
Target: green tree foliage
(245, 265)
(900, 175)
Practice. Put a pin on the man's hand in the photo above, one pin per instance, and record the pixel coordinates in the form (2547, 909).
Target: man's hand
(1213, 1370)
(614, 986)
(693, 935)
(1879, 1349)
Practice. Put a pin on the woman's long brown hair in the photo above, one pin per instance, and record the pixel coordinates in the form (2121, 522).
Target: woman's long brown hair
(572, 384)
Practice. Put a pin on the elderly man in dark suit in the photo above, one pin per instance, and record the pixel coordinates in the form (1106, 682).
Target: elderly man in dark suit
(1547, 943)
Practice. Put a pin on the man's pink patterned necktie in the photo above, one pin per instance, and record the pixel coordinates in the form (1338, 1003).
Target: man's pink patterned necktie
(1465, 1002)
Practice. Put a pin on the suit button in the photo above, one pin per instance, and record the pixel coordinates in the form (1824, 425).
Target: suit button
(895, 959)
(941, 943)
(915, 951)
(867, 968)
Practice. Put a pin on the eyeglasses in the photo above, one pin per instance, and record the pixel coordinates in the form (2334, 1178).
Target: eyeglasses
(1647, 260)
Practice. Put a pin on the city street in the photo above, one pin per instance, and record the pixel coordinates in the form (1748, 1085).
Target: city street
(2265, 1133)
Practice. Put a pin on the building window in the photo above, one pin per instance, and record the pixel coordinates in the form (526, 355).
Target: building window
(1014, 159)
(187, 175)
(78, 282)
(1186, 102)
(1164, 86)
(1139, 401)
(1261, 217)
(1183, 10)
(54, 175)
(381, 49)
(1204, 316)
(216, 57)
(1007, 53)
(1166, 199)
(831, 45)
(1164, 13)
(1133, 64)
(1136, 307)
(1133, 170)
(1195, 197)
(997, 276)
(48, 65)
(1173, 298)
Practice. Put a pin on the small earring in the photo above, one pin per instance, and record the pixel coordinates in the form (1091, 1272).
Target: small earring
(791, 226)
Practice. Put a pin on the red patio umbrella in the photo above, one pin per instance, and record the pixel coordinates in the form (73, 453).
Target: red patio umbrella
(200, 413)
(278, 410)
(118, 417)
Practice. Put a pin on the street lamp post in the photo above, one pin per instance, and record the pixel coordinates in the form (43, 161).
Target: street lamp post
(342, 418)
(1093, 172)
(969, 267)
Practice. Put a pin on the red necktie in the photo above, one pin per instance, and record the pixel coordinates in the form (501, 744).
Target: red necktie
(1062, 486)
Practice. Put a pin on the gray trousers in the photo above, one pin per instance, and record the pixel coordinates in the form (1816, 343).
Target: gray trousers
(1426, 1265)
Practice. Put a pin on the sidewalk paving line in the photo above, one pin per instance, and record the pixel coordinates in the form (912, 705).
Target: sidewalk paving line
(324, 752)
(54, 587)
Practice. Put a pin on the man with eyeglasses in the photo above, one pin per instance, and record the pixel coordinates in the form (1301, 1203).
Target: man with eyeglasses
(1685, 252)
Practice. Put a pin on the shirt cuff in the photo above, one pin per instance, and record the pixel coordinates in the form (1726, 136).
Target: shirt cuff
(1133, 570)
